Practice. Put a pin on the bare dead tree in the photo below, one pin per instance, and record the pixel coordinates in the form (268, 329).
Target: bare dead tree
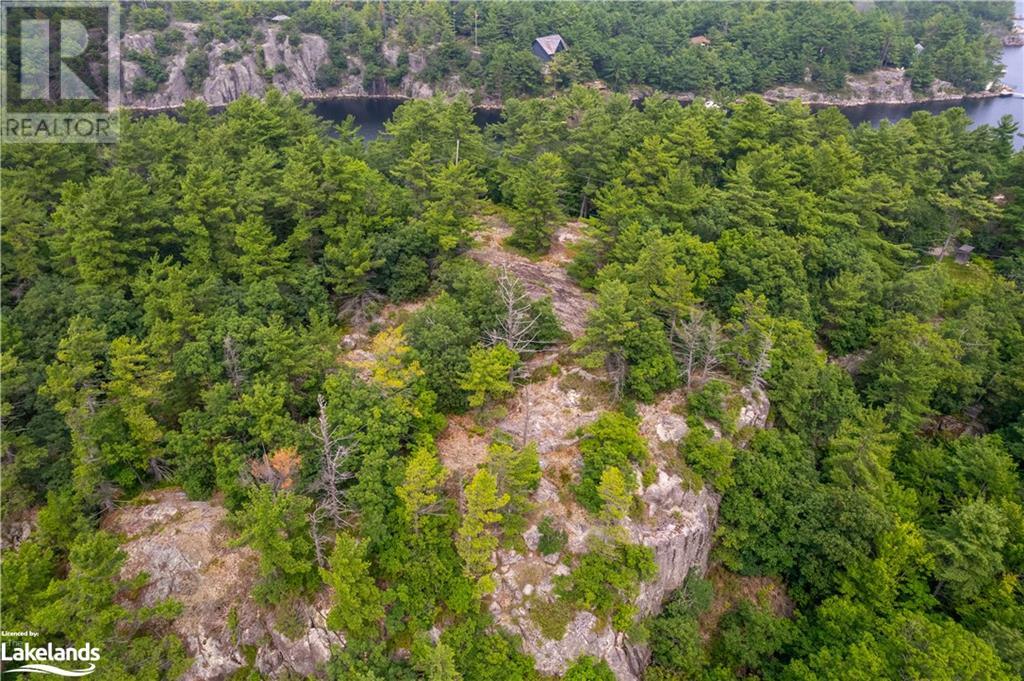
(686, 341)
(519, 326)
(231, 363)
(359, 308)
(697, 343)
(714, 339)
(331, 507)
(762, 363)
(333, 453)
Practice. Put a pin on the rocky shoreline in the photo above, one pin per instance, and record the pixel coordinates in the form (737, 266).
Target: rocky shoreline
(882, 86)
(294, 69)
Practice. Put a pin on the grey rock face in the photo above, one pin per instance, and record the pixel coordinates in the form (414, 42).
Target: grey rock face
(295, 68)
(754, 412)
(679, 527)
(183, 546)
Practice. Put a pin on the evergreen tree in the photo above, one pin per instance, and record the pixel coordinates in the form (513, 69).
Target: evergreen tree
(276, 526)
(536, 190)
(358, 603)
(475, 542)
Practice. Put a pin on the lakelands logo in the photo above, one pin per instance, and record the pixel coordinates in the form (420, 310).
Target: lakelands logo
(37, 660)
(61, 80)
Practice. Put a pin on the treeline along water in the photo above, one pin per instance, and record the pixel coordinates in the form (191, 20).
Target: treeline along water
(371, 113)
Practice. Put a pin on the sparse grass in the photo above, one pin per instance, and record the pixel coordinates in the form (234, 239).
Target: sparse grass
(233, 621)
(530, 574)
(552, 617)
(287, 620)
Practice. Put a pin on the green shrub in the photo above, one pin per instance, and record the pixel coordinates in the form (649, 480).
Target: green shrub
(611, 440)
(327, 75)
(711, 402)
(197, 68)
(141, 18)
(552, 538)
(675, 639)
(709, 458)
(748, 638)
(587, 668)
(168, 42)
(606, 581)
(151, 66)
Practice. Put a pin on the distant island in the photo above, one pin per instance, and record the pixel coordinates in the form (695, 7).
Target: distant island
(839, 53)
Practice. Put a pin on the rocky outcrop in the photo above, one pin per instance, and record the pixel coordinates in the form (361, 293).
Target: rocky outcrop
(882, 86)
(678, 526)
(755, 409)
(184, 547)
(274, 62)
(542, 277)
(549, 412)
(229, 81)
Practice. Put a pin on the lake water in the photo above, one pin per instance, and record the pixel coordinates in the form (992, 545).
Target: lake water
(981, 111)
(370, 113)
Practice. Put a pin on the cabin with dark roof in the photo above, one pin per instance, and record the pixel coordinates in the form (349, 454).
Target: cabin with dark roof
(545, 47)
(963, 254)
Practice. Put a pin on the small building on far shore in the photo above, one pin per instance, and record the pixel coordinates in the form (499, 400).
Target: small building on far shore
(963, 254)
(546, 46)
(700, 40)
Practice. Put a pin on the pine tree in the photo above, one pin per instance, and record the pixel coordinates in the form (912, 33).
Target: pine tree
(454, 194)
(489, 373)
(358, 602)
(518, 474)
(475, 543)
(436, 662)
(276, 526)
(616, 498)
(608, 327)
(536, 190)
(420, 490)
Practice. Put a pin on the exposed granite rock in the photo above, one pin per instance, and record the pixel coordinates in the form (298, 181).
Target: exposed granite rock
(183, 546)
(295, 68)
(229, 81)
(663, 423)
(283, 66)
(543, 277)
(13, 531)
(549, 413)
(678, 526)
(755, 409)
(881, 86)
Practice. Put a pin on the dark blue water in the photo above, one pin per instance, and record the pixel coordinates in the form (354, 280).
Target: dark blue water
(981, 111)
(370, 113)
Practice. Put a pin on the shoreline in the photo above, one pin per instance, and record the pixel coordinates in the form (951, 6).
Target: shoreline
(684, 98)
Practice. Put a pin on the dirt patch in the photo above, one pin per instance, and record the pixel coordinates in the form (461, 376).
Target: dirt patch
(542, 277)
(731, 588)
(462, 450)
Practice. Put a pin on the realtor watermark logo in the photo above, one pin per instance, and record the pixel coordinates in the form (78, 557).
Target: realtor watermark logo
(67, 661)
(62, 72)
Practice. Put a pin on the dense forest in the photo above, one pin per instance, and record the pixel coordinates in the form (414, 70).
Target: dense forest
(749, 47)
(174, 306)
